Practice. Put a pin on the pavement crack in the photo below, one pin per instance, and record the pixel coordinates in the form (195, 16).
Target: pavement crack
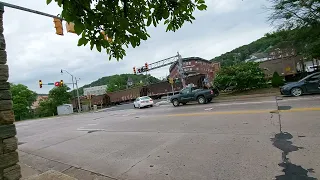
(134, 165)
(71, 166)
(60, 142)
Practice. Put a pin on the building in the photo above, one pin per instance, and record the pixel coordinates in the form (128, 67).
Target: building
(195, 65)
(96, 90)
(40, 98)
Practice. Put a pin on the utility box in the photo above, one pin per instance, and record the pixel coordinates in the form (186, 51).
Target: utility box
(65, 109)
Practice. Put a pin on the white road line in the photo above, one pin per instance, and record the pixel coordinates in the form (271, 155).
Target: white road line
(81, 129)
(92, 124)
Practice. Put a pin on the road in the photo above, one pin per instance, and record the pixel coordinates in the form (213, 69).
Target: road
(262, 138)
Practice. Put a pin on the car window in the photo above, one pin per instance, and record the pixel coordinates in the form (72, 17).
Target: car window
(185, 91)
(137, 99)
(316, 77)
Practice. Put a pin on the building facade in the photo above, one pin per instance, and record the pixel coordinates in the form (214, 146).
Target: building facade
(195, 65)
(96, 90)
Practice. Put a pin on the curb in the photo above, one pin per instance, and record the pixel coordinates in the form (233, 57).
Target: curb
(245, 97)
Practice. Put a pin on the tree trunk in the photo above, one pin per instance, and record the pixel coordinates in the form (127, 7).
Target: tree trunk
(9, 169)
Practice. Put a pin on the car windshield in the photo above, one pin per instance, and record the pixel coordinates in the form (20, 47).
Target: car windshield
(307, 77)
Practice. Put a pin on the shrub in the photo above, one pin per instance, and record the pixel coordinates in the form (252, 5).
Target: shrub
(276, 80)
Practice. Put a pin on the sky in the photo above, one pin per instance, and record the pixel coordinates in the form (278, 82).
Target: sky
(36, 53)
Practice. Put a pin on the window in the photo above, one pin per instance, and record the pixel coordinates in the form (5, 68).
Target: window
(315, 77)
(185, 91)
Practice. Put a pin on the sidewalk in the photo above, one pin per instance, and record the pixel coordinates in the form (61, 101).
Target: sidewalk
(38, 168)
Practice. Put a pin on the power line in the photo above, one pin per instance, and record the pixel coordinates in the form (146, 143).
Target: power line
(28, 10)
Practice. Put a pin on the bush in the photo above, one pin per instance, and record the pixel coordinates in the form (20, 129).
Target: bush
(242, 76)
(276, 80)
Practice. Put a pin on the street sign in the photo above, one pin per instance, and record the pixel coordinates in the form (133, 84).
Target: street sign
(57, 84)
(50, 83)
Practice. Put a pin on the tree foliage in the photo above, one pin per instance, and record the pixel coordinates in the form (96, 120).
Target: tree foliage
(276, 80)
(243, 76)
(23, 99)
(303, 17)
(124, 21)
(119, 82)
(293, 14)
(57, 96)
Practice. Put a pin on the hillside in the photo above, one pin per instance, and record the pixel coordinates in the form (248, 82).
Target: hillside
(118, 82)
(259, 46)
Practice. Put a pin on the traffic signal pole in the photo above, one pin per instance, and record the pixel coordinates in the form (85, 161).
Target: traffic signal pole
(79, 106)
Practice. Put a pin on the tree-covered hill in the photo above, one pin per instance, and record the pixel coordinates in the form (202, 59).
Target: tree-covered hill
(301, 39)
(118, 82)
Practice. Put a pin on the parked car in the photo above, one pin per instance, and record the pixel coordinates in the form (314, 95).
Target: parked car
(308, 85)
(144, 101)
(202, 96)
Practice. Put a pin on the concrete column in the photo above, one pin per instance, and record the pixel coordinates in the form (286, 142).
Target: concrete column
(9, 169)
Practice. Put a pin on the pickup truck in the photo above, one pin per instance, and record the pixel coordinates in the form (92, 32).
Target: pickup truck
(202, 96)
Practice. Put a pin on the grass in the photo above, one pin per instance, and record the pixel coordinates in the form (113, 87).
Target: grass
(253, 92)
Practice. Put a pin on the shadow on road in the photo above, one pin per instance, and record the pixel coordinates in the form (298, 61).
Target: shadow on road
(291, 171)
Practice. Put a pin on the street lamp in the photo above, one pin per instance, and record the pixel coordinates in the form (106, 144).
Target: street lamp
(79, 106)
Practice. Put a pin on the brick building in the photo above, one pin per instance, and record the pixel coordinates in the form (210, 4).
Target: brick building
(195, 65)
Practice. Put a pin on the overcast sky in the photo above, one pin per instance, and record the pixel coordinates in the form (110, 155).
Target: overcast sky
(36, 52)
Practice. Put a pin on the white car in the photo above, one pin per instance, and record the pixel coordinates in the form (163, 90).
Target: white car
(144, 101)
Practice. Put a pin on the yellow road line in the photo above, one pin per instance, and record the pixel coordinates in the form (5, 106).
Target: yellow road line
(245, 112)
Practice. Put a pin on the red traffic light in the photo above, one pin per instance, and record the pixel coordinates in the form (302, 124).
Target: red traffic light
(57, 84)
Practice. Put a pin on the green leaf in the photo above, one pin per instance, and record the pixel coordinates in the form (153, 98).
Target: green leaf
(78, 27)
(149, 20)
(202, 7)
(82, 41)
(165, 14)
(48, 1)
(98, 46)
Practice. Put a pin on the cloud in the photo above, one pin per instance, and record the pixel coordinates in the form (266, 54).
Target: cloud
(36, 52)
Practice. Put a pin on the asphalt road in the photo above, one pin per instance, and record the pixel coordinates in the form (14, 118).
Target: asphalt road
(262, 138)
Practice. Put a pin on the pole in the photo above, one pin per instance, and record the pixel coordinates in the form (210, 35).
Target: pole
(182, 76)
(28, 10)
(172, 89)
(79, 106)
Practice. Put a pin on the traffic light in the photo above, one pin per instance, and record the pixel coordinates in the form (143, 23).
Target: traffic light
(40, 83)
(109, 39)
(171, 80)
(57, 84)
(58, 26)
(61, 83)
(146, 66)
(134, 70)
(70, 27)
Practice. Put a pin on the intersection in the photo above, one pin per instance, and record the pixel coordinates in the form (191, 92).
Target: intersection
(264, 138)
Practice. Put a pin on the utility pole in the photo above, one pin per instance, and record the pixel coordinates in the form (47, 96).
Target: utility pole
(79, 106)
(181, 72)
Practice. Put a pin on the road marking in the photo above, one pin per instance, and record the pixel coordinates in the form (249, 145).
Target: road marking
(262, 102)
(245, 112)
(80, 129)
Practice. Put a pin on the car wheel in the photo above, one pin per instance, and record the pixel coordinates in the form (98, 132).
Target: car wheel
(134, 106)
(175, 102)
(296, 91)
(201, 100)
(151, 105)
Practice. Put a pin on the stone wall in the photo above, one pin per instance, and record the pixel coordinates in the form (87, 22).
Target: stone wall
(9, 169)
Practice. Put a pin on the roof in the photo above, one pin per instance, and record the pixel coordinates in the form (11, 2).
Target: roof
(188, 59)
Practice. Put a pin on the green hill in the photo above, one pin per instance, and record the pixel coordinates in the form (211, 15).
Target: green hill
(119, 82)
(305, 40)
